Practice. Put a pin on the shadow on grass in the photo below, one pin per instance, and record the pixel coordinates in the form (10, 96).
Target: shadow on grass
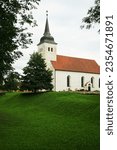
(2, 93)
(32, 93)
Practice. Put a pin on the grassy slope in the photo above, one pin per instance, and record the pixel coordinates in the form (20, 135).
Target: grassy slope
(49, 121)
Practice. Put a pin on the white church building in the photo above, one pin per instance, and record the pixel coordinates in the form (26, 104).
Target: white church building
(69, 73)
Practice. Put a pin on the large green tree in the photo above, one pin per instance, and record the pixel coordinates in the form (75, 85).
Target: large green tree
(36, 75)
(14, 17)
(93, 16)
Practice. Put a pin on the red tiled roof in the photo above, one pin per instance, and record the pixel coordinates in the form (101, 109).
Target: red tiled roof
(65, 63)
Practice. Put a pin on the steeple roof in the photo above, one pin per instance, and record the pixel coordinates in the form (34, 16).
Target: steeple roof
(47, 30)
(47, 38)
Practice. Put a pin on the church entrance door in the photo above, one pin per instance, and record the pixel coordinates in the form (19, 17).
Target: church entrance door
(89, 87)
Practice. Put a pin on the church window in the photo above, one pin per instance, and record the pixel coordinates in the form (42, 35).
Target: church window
(99, 83)
(82, 81)
(92, 81)
(48, 48)
(68, 81)
(51, 49)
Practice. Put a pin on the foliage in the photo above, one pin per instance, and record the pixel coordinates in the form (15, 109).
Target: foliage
(12, 81)
(93, 16)
(49, 121)
(15, 15)
(36, 76)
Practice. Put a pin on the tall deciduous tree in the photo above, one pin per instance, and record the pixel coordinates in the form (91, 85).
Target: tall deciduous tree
(36, 75)
(93, 16)
(14, 16)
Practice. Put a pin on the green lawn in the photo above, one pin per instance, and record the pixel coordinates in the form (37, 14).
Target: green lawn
(49, 121)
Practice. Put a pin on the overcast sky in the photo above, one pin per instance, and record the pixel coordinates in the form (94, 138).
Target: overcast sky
(65, 19)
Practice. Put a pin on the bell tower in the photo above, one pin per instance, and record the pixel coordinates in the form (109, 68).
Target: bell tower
(47, 47)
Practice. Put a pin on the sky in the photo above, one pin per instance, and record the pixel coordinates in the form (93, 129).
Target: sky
(65, 19)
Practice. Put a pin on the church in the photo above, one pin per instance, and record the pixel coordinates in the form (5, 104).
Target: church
(69, 73)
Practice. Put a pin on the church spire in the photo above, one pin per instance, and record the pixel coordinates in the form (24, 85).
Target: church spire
(47, 38)
(47, 30)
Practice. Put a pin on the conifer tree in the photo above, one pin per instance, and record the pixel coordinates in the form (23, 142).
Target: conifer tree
(12, 81)
(36, 75)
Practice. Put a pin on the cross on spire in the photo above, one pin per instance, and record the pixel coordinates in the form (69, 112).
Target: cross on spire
(46, 13)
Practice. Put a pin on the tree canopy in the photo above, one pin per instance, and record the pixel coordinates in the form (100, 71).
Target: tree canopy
(14, 16)
(36, 75)
(93, 16)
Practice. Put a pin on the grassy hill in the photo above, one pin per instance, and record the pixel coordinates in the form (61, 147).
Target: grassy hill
(49, 121)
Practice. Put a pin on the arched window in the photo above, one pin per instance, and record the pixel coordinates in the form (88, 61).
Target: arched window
(82, 81)
(92, 81)
(99, 83)
(68, 81)
(48, 48)
(51, 49)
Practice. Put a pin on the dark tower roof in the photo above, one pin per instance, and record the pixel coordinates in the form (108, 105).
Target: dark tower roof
(47, 38)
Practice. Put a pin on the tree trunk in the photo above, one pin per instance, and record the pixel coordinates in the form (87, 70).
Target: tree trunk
(35, 90)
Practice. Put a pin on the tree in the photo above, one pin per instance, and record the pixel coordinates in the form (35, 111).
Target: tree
(93, 16)
(36, 76)
(15, 15)
(12, 81)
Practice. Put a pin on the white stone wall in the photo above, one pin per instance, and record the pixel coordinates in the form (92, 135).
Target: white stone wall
(60, 80)
(48, 55)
